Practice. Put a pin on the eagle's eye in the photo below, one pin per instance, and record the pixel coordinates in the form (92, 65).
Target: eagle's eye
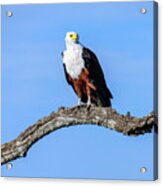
(71, 35)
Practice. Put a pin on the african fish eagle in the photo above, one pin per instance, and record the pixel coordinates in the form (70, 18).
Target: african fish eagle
(84, 73)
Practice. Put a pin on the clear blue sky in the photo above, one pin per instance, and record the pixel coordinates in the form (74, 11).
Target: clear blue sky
(33, 85)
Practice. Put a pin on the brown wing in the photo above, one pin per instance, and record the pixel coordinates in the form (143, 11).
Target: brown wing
(103, 94)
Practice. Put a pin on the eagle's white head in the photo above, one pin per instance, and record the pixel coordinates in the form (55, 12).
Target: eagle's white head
(71, 38)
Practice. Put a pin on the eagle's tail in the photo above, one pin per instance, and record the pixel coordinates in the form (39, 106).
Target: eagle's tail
(101, 103)
(103, 98)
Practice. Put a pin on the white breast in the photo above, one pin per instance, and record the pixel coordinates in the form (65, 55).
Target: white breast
(72, 58)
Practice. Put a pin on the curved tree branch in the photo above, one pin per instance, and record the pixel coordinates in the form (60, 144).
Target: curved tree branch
(106, 117)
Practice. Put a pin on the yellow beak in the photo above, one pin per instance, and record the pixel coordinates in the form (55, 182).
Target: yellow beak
(74, 37)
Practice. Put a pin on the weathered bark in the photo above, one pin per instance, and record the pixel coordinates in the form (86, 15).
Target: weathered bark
(106, 117)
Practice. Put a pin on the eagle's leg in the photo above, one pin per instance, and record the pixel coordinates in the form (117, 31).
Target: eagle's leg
(79, 102)
(88, 89)
(89, 101)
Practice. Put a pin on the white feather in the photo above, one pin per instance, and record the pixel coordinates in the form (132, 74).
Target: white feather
(72, 58)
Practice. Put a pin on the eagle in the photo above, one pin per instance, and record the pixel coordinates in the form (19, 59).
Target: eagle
(84, 73)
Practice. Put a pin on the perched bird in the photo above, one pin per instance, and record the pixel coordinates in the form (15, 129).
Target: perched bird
(83, 72)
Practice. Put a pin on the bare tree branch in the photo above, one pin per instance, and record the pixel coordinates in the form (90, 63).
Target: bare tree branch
(106, 117)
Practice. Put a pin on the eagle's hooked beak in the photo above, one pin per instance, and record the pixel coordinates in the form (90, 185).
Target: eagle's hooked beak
(74, 36)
